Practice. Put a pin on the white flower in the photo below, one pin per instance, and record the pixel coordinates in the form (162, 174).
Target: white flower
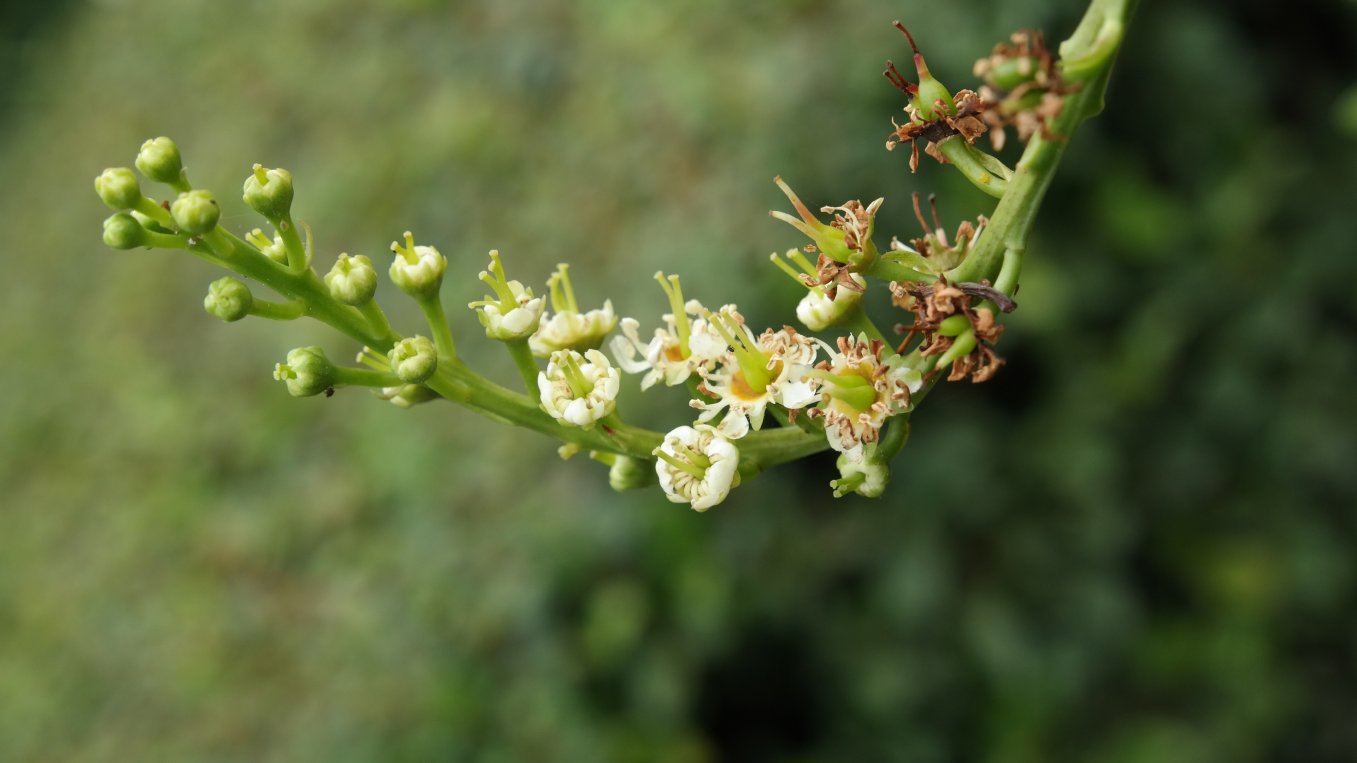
(512, 313)
(578, 390)
(860, 472)
(859, 391)
(568, 328)
(697, 466)
(755, 373)
(663, 358)
(817, 311)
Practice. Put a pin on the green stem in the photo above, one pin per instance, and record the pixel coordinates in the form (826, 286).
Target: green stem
(296, 253)
(526, 363)
(365, 377)
(858, 322)
(377, 319)
(277, 311)
(1091, 50)
(432, 308)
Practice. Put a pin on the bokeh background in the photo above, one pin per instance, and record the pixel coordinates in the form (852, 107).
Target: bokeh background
(1135, 545)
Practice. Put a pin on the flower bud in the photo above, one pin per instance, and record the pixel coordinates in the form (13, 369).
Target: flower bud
(307, 372)
(414, 359)
(122, 231)
(352, 280)
(195, 212)
(269, 192)
(627, 473)
(159, 160)
(417, 270)
(407, 395)
(861, 472)
(118, 187)
(818, 312)
(228, 299)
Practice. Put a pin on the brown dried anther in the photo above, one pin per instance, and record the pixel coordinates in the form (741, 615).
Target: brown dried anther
(933, 303)
(965, 116)
(1023, 87)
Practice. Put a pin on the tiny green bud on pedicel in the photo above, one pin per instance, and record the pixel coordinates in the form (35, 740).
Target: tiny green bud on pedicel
(417, 270)
(159, 160)
(414, 359)
(406, 395)
(122, 231)
(228, 299)
(119, 188)
(269, 192)
(195, 212)
(307, 372)
(352, 280)
(627, 473)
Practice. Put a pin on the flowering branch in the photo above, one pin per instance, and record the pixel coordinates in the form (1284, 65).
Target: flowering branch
(853, 394)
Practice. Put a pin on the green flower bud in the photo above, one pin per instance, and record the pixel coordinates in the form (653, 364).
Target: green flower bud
(118, 187)
(307, 372)
(352, 281)
(407, 395)
(122, 231)
(228, 299)
(269, 192)
(627, 473)
(414, 359)
(861, 471)
(417, 270)
(159, 160)
(195, 212)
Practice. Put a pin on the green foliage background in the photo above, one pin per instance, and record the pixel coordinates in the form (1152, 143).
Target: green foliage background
(1134, 545)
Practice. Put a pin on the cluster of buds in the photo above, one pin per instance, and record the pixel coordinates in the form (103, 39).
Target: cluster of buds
(756, 398)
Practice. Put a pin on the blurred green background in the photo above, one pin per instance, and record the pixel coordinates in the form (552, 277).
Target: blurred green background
(1134, 545)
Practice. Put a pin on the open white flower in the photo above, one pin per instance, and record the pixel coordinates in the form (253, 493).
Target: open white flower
(568, 328)
(697, 466)
(859, 390)
(512, 313)
(578, 390)
(686, 345)
(754, 373)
